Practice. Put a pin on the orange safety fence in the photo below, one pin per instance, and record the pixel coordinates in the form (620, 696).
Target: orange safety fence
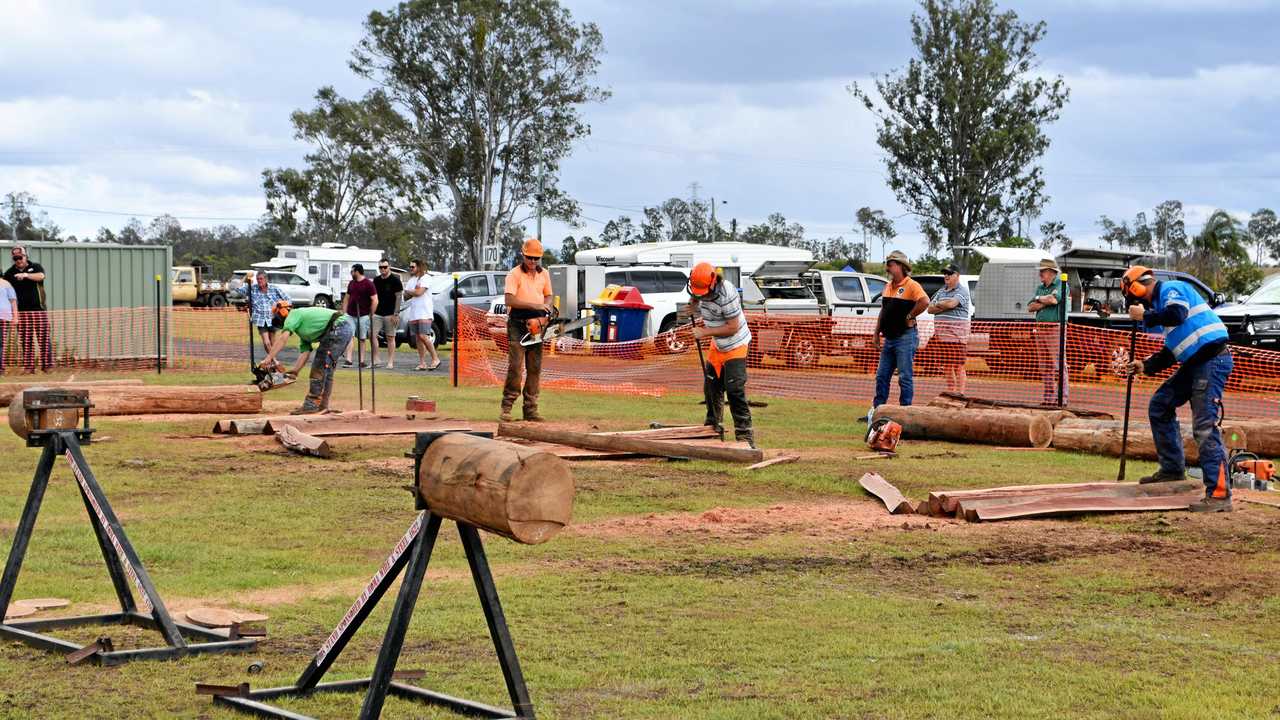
(826, 358)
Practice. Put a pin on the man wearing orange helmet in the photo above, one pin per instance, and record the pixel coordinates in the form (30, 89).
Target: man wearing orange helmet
(1196, 339)
(528, 296)
(725, 372)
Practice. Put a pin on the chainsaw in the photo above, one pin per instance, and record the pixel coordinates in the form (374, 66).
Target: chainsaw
(542, 329)
(271, 378)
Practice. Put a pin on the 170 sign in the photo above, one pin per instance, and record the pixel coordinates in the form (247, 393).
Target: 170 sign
(490, 256)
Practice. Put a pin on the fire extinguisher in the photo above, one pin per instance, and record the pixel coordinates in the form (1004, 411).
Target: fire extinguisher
(611, 335)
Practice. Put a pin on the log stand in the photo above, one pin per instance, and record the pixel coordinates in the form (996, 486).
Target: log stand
(122, 561)
(410, 555)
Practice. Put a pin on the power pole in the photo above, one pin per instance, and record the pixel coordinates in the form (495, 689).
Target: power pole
(715, 233)
(542, 171)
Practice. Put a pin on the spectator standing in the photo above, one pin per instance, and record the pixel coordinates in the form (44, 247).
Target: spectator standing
(1049, 312)
(262, 298)
(903, 299)
(360, 303)
(386, 318)
(27, 279)
(8, 315)
(950, 307)
(419, 314)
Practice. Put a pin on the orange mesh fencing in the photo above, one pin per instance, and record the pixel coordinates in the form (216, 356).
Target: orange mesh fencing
(826, 358)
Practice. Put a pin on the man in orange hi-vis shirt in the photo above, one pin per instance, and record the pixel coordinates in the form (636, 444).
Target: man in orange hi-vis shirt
(528, 296)
(902, 301)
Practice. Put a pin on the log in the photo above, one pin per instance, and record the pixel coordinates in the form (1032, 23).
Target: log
(952, 500)
(154, 399)
(1104, 437)
(993, 427)
(683, 432)
(1084, 504)
(623, 443)
(22, 423)
(1263, 436)
(949, 399)
(893, 500)
(303, 444)
(10, 390)
(517, 492)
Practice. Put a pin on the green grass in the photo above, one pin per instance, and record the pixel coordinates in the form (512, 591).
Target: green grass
(1141, 616)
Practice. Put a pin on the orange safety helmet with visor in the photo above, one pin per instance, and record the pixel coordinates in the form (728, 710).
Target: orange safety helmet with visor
(701, 279)
(1132, 282)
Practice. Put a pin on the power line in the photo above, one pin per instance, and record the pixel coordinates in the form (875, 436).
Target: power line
(116, 213)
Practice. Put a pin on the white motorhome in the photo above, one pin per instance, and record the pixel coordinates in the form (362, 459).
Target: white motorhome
(746, 257)
(327, 265)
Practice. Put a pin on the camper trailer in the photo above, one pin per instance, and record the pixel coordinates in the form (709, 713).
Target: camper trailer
(326, 265)
(746, 257)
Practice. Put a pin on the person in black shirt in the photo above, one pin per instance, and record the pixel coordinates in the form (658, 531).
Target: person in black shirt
(27, 279)
(386, 317)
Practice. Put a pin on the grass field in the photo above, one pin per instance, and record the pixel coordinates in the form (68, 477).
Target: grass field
(684, 590)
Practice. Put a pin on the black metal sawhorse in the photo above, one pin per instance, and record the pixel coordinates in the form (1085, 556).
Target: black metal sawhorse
(122, 564)
(413, 552)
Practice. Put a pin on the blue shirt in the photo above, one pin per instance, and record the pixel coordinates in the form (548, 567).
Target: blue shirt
(261, 303)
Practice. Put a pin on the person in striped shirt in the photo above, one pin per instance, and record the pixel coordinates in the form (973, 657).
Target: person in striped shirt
(719, 308)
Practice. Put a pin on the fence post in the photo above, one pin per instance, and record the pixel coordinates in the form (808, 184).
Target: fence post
(1064, 304)
(457, 331)
(253, 356)
(158, 334)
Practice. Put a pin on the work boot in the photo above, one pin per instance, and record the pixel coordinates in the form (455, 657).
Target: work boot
(746, 436)
(1160, 476)
(304, 410)
(533, 416)
(506, 415)
(1211, 504)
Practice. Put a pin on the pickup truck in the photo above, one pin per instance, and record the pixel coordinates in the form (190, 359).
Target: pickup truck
(190, 285)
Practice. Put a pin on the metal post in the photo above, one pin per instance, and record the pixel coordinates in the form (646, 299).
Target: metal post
(22, 535)
(253, 358)
(456, 350)
(373, 366)
(359, 361)
(497, 622)
(158, 361)
(1063, 303)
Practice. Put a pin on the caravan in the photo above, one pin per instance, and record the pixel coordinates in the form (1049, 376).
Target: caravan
(746, 257)
(327, 265)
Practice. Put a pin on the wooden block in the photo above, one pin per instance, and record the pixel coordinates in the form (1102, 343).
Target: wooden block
(893, 500)
(303, 444)
(212, 617)
(44, 603)
(17, 610)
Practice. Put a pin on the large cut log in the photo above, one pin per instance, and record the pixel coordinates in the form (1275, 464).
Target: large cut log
(993, 427)
(624, 443)
(683, 432)
(154, 399)
(1263, 436)
(9, 390)
(22, 422)
(303, 444)
(517, 492)
(953, 400)
(1104, 437)
(893, 500)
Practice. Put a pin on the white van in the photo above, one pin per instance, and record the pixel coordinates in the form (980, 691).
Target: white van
(747, 257)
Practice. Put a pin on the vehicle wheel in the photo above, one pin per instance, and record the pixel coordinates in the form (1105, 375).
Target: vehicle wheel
(324, 301)
(438, 328)
(217, 301)
(802, 352)
(670, 344)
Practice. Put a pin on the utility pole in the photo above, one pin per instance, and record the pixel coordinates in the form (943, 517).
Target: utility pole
(542, 171)
(715, 234)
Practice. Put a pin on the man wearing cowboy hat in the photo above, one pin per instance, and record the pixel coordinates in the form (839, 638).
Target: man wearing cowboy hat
(1196, 340)
(903, 299)
(1049, 311)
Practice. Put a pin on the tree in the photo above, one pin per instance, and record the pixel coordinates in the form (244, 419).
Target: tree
(874, 224)
(353, 173)
(962, 125)
(490, 92)
(1014, 241)
(24, 225)
(1169, 230)
(1220, 257)
(619, 232)
(131, 233)
(1264, 230)
(651, 229)
(1114, 234)
(1142, 238)
(776, 231)
(568, 248)
(1054, 233)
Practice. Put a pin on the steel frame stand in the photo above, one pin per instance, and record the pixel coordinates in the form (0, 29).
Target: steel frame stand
(122, 564)
(411, 554)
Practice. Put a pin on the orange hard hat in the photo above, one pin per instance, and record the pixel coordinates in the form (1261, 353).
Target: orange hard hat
(1132, 282)
(281, 308)
(701, 278)
(531, 248)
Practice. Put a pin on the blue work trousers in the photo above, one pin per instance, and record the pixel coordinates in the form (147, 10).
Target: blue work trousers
(1202, 385)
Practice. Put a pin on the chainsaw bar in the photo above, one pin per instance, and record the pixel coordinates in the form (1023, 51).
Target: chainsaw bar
(557, 328)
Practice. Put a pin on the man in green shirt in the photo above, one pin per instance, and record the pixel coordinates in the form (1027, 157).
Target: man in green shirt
(1049, 310)
(327, 333)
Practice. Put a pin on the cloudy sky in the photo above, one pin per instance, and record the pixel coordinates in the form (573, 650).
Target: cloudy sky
(137, 107)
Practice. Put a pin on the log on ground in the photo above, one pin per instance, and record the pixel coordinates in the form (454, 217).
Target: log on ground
(1262, 436)
(1105, 437)
(993, 427)
(949, 399)
(303, 444)
(1072, 505)
(155, 399)
(893, 500)
(517, 492)
(8, 391)
(623, 443)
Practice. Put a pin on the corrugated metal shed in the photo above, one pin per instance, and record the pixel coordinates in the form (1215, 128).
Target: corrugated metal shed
(83, 276)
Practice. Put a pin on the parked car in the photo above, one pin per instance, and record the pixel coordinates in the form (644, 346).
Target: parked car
(1256, 320)
(299, 290)
(476, 289)
(192, 285)
(846, 293)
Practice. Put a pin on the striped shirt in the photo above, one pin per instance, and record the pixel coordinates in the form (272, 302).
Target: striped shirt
(952, 325)
(719, 308)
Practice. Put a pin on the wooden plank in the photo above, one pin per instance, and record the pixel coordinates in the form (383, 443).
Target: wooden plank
(684, 432)
(621, 443)
(893, 500)
(780, 460)
(333, 426)
(302, 443)
(1070, 505)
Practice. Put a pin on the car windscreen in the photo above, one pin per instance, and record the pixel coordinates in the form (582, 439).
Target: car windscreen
(848, 289)
(1268, 294)
(440, 283)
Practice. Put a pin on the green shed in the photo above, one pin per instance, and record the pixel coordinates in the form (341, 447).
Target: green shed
(102, 298)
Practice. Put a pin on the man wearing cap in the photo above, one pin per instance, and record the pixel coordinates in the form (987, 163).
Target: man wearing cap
(327, 332)
(725, 372)
(27, 279)
(950, 308)
(902, 301)
(527, 295)
(1049, 311)
(1196, 340)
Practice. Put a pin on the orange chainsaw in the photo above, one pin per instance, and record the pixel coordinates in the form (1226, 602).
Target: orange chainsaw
(543, 329)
